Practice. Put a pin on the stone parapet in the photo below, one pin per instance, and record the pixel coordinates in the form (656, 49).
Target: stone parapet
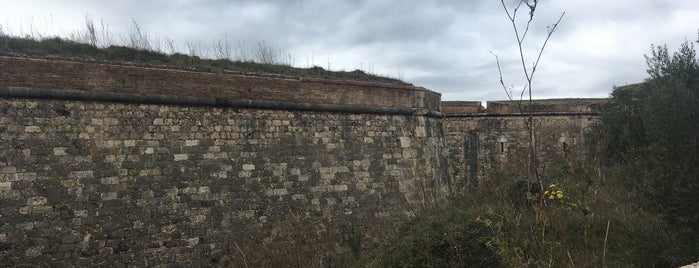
(540, 107)
(41, 74)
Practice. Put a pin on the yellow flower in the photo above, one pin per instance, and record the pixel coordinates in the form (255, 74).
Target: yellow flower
(552, 185)
(559, 195)
(551, 197)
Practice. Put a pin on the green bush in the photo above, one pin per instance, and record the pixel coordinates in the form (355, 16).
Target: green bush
(650, 133)
(443, 237)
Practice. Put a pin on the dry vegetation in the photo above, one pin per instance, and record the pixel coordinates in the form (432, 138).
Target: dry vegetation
(95, 42)
(628, 200)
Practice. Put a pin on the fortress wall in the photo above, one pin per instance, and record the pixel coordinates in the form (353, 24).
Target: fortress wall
(96, 77)
(95, 183)
(462, 107)
(86, 182)
(104, 164)
(560, 106)
(493, 143)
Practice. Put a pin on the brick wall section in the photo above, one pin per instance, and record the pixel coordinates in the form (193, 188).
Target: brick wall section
(85, 183)
(55, 74)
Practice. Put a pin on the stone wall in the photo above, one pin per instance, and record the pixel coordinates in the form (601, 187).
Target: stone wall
(462, 107)
(94, 183)
(547, 106)
(488, 143)
(86, 182)
(103, 164)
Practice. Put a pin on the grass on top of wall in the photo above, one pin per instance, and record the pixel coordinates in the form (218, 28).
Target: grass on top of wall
(57, 47)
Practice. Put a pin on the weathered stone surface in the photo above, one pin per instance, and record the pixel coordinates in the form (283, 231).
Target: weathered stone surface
(222, 176)
(87, 183)
(489, 143)
(41, 73)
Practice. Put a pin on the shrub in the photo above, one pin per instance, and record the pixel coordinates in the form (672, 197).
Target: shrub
(650, 133)
(443, 237)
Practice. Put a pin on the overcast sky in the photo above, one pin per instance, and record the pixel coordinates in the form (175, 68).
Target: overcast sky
(444, 46)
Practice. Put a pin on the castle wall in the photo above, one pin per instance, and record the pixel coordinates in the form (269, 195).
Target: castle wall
(494, 142)
(85, 182)
(104, 164)
(108, 78)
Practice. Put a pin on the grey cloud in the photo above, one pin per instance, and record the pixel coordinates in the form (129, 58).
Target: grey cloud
(441, 45)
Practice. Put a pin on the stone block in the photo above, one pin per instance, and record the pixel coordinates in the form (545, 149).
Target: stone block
(248, 167)
(5, 186)
(32, 129)
(193, 241)
(8, 169)
(129, 143)
(36, 201)
(404, 142)
(180, 157)
(59, 151)
(88, 174)
(340, 188)
(109, 196)
(281, 191)
(109, 180)
(80, 213)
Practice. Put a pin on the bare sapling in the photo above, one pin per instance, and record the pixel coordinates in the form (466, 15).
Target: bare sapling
(529, 71)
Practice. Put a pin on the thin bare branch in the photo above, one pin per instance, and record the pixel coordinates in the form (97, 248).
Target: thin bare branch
(529, 75)
(504, 87)
(520, 40)
(532, 8)
(551, 30)
(507, 11)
